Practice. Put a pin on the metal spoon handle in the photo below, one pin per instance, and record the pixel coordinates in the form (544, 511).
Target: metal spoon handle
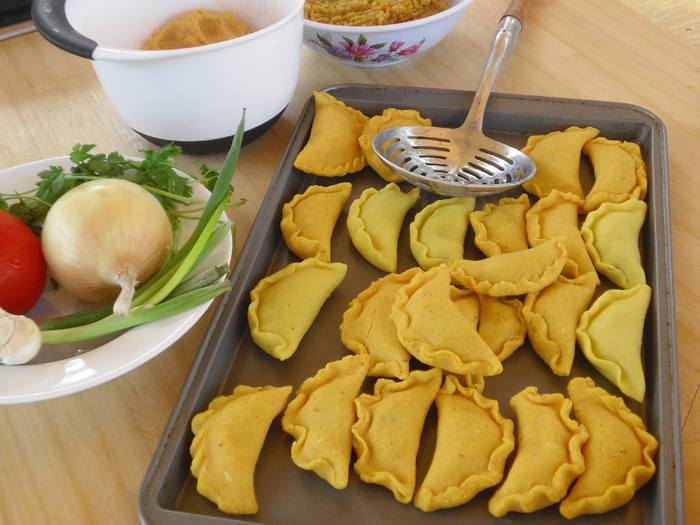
(509, 28)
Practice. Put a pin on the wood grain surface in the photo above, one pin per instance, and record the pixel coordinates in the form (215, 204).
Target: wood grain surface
(80, 459)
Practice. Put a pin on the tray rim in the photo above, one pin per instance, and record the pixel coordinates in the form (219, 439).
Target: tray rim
(153, 481)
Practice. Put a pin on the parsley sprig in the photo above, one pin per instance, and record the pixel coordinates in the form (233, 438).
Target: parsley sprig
(157, 172)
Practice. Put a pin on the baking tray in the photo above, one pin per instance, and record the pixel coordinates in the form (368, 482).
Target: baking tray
(290, 495)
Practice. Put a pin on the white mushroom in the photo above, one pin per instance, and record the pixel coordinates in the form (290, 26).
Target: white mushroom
(20, 339)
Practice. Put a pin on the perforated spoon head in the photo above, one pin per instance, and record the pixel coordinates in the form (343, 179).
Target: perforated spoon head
(452, 162)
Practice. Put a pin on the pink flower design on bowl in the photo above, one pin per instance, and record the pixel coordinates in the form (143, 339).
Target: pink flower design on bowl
(360, 51)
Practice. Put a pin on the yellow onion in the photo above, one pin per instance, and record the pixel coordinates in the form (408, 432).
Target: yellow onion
(104, 237)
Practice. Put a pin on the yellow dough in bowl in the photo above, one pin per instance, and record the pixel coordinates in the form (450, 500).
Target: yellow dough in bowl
(284, 305)
(228, 438)
(374, 223)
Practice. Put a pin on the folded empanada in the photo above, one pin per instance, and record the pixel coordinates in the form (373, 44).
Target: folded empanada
(554, 215)
(368, 328)
(619, 454)
(387, 433)
(548, 457)
(500, 228)
(438, 231)
(552, 315)
(390, 117)
(320, 418)
(473, 442)
(502, 324)
(620, 172)
(309, 218)
(284, 305)
(228, 438)
(333, 148)
(374, 223)
(611, 234)
(435, 331)
(514, 273)
(557, 156)
(610, 335)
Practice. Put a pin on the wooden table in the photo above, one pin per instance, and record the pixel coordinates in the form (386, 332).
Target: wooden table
(81, 458)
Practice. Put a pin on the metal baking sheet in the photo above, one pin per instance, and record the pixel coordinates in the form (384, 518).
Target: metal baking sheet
(289, 495)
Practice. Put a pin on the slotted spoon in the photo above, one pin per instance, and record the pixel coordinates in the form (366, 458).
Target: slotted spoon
(462, 161)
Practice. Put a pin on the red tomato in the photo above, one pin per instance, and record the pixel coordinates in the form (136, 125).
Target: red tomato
(22, 265)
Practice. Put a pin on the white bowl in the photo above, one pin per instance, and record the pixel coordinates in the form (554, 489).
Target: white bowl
(193, 97)
(376, 46)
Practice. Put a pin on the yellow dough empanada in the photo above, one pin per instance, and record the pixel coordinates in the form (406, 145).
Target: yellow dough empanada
(620, 172)
(611, 234)
(283, 305)
(619, 454)
(514, 273)
(320, 418)
(374, 223)
(438, 231)
(502, 324)
(610, 335)
(387, 433)
(333, 149)
(368, 328)
(500, 228)
(309, 218)
(554, 215)
(557, 156)
(473, 442)
(228, 438)
(552, 316)
(390, 117)
(548, 457)
(434, 329)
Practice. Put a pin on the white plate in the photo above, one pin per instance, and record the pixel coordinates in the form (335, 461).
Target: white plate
(64, 369)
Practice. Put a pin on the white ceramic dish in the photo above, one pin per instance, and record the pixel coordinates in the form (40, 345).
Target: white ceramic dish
(377, 46)
(65, 369)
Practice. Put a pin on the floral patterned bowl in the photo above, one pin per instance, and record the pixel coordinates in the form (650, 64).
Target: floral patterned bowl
(376, 46)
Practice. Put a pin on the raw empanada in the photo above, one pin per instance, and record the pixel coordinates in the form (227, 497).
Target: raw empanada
(548, 457)
(333, 149)
(283, 305)
(500, 228)
(374, 223)
(390, 117)
(620, 172)
(619, 454)
(387, 433)
(435, 330)
(320, 418)
(228, 438)
(473, 442)
(368, 328)
(502, 324)
(557, 156)
(309, 218)
(552, 315)
(554, 215)
(611, 234)
(610, 336)
(514, 273)
(438, 231)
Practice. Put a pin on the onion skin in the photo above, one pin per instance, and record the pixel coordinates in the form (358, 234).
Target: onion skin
(103, 233)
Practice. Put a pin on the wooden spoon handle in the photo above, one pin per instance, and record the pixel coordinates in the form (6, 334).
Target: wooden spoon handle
(518, 9)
